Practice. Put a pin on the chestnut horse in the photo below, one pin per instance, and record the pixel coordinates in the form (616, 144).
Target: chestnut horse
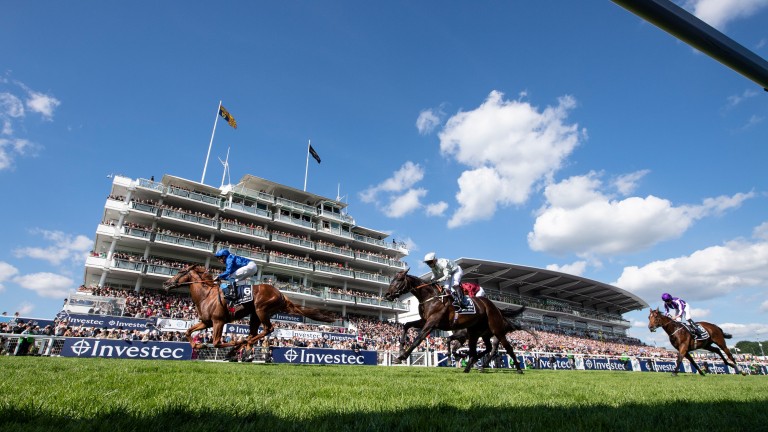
(684, 342)
(437, 312)
(213, 312)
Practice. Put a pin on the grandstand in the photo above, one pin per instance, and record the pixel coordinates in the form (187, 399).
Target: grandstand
(314, 251)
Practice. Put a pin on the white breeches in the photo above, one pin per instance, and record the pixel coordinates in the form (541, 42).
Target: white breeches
(244, 273)
(454, 280)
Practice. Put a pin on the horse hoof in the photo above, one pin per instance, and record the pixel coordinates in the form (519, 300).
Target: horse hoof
(397, 360)
(519, 372)
(674, 374)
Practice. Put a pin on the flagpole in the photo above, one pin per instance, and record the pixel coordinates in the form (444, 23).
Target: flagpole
(306, 169)
(218, 110)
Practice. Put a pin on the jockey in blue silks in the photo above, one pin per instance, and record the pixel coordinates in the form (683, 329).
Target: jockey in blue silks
(237, 270)
(681, 311)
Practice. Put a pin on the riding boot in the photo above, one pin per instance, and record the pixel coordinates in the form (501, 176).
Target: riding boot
(695, 328)
(458, 298)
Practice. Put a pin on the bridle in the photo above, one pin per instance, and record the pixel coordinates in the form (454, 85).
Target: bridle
(186, 272)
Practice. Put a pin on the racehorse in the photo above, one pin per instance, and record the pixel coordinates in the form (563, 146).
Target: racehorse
(437, 312)
(213, 312)
(684, 342)
(457, 339)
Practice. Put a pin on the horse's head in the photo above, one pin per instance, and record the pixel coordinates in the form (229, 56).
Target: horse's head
(398, 286)
(655, 319)
(180, 278)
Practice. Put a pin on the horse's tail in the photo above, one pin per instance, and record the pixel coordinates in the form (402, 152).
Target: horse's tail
(727, 335)
(509, 313)
(315, 314)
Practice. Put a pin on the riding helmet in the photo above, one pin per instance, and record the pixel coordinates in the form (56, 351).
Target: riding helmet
(430, 257)
(666, 297)
(222, 253)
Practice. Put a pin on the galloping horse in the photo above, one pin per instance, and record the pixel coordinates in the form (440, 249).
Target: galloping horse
(459, 337)
(437, 312)
(684, 342)
(213, 312)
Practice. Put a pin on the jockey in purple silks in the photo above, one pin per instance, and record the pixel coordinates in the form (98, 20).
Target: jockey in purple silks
(681, 311)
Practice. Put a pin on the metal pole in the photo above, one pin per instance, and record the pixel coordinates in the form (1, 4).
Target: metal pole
(218, 110)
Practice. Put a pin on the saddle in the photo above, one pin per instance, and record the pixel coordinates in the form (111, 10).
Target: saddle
(703, 334)
(468, 308)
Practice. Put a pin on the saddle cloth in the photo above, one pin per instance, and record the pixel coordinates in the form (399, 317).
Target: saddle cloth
(469, 309)
(702, 330)
(244, 294)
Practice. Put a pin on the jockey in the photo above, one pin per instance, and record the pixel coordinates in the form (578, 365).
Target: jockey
(237, 270)
(449, 274)
(681, 311)
(473, 290)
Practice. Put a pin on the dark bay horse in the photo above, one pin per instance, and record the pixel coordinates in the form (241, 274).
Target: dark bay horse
(684, 342)
(459, 337)
(213, 312)
(437, 312)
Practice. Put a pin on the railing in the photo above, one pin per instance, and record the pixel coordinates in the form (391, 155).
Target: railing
(189, 217)
(292, 262)
(183, 241)
(161, 270)
(149, 184)
(243, 229)
(194, 195)
(336, 231)
(249, 209)
(123, 264)
(295, 221)
(369, 240)
(371, 258)
(146, 208)
(335, 250)
(296, 206)
(337, 216)
(137, 232)
(335, 270)
(293, 240)
(398, 264)
(255, 255)
(241, 190)
(373, 277)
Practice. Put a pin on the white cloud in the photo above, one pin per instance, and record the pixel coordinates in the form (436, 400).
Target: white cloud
(718, 13)
(579, 218)
(64, 247)
(510, 147)
(7, 272)
(705, 274)
(427, 121)
(12, 148)
(46, 284)
(436, 209)
(43, 104)
(576, 268)
(753, 331)
(627, 183)
(764, 306)
(25, 308)
(405, 177)
(735, 100)
(401, 205)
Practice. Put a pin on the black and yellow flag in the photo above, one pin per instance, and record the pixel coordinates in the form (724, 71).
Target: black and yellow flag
(314, 153)
(227, 116)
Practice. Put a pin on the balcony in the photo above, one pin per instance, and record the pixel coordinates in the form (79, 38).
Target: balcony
(337, 217)
(362, 256)
(137, 233)
(372, 277)
(295, 221)
(250, 193)
(369, 240)
(151, 185)
(161, 270)
(128, 265)
(149, 209)
(194, 196)
(184, 242)
(255, 255)
(340, 271)
(345, 252)
(252, 210)
(297, 206)
(204, 221)
(290, 262)
(244, 229)
(295, 241)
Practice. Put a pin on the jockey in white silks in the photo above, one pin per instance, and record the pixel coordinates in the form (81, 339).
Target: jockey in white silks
(449, 274)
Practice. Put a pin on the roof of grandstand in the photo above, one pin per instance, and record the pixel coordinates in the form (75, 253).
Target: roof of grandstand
(538, 282)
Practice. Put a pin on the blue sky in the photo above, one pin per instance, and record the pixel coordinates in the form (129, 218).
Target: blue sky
(568, 135)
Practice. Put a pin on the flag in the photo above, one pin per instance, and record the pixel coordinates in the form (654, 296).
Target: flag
(227, 116)
(314, 153)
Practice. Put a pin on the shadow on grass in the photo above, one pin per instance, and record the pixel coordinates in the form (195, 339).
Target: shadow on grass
(717, 416)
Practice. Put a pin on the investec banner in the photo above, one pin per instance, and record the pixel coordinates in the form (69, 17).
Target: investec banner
(103, 321)
(322, 356)
(117, 348)
(606, 364)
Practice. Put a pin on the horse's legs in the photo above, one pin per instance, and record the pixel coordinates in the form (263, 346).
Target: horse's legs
(197, 327)
(404, 337)
(511, 351)
(268, 327)
(218, 329)
(693, 363)
(489, 352)
(724, 348)
(473, 357)
(425, 330)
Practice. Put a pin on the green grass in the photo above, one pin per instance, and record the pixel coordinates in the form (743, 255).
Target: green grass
(66, 394)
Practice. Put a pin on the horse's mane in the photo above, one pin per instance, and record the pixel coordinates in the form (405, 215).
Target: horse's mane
(201, 271)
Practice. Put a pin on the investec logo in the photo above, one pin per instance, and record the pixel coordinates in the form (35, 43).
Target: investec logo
(83, 348)
(304, 357)
(665, 367)
(608, 365)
